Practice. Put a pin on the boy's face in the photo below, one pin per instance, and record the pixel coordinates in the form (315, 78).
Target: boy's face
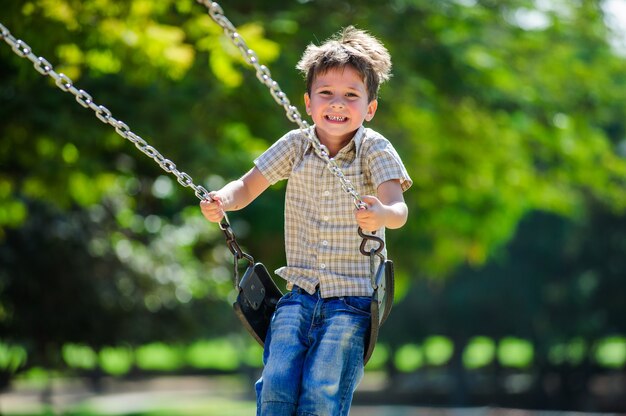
(338, 105)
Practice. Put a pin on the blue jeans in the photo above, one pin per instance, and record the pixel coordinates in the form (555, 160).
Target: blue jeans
(313, 357)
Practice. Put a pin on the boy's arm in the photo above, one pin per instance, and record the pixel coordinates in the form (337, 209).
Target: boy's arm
(235, 195)
(387, 210)
(241, 192)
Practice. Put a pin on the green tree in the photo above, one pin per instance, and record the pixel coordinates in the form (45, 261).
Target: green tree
(500, 110)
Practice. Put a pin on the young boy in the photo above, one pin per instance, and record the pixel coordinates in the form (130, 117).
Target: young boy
(313, 357)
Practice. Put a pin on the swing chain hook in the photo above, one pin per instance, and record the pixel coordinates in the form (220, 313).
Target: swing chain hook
(378, 250)
(234, 248)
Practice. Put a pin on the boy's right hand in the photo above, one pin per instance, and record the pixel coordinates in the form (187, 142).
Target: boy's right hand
(212, 208)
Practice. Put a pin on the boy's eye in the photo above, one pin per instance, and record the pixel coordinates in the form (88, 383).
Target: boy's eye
(347, 94)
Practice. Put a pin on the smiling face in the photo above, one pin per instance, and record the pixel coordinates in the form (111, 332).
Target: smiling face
(338, 104)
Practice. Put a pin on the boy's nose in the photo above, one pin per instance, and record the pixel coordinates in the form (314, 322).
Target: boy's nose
(337, 103)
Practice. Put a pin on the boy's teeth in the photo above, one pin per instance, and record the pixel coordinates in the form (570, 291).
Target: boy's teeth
(336, 118)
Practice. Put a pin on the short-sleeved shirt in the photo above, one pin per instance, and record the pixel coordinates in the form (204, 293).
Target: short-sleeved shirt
(321, 239)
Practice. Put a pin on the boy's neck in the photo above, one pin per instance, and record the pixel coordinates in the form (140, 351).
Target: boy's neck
(335, 145)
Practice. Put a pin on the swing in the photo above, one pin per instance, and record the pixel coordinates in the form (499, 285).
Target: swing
(257, 292)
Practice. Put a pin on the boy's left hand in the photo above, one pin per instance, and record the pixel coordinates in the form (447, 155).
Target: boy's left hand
(372, 217)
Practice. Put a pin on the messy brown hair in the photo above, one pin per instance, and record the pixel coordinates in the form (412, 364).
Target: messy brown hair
(353, 47)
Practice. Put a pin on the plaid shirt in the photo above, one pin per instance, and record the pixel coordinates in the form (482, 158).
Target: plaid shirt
(321, 240)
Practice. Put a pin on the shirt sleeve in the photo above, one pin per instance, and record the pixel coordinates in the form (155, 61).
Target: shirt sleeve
(385, 163)
(277, 162)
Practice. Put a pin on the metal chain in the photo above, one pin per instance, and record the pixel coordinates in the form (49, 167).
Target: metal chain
(265, 77)
(65, 84)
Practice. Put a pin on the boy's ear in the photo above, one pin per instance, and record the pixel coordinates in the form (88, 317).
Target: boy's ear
(371, 110)
(307, 103)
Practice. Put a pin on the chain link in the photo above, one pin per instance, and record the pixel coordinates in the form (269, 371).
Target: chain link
(265, 77)
(65, 84)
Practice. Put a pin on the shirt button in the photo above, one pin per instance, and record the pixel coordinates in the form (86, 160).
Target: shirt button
(324, 243)
(326, 193)
(326, 218)
(322, 266)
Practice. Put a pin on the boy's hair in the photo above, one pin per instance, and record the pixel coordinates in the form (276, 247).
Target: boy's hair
(353, 47)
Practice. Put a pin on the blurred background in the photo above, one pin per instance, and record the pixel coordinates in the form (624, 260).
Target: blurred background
(115, 293)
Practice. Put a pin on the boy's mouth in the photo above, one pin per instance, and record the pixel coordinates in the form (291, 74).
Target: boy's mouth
(336, 118)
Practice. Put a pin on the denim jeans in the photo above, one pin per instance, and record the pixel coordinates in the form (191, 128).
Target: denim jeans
(313, 358)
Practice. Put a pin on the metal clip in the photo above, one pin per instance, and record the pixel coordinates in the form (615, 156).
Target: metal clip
(381, 243)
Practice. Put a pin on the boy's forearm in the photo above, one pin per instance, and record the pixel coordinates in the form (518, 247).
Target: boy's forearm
(234, 196)
(397, 215)
(241, 192)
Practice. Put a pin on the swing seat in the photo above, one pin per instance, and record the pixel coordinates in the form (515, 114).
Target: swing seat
(256, 301)
(382, 301)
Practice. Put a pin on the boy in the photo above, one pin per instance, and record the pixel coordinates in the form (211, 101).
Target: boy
(313, 357)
